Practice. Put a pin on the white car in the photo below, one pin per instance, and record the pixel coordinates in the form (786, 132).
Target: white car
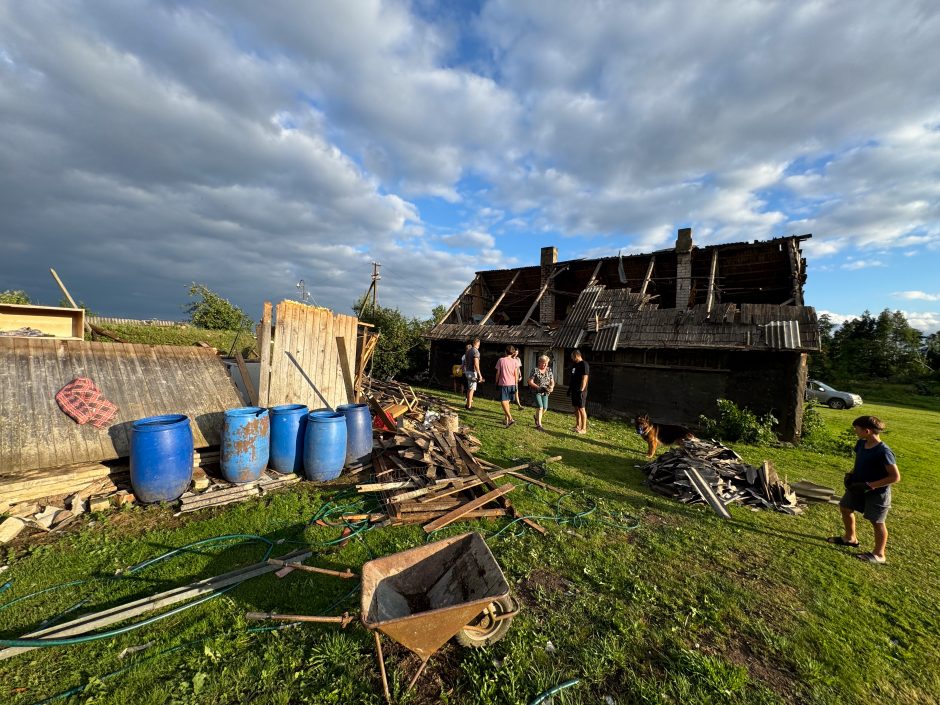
(832, 398)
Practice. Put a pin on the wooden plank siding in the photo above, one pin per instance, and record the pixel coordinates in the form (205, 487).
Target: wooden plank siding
(143, 380)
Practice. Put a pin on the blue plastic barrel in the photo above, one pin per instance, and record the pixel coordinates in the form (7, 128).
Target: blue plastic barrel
(288, 426)
(246, 443)
(324, 445)
(358, 432)
(161, 457)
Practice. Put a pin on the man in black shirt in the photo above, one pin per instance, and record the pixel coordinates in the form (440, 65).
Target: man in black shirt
(577, 390)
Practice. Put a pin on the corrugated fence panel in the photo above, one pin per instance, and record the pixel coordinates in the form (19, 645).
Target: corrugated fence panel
(143, 380)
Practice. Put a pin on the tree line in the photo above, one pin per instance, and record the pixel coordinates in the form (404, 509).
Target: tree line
(879, 347)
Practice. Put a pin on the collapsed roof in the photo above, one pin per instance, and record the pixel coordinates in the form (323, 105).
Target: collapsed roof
(729, 296)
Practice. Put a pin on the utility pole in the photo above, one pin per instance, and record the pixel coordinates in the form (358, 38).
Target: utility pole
(375, 283)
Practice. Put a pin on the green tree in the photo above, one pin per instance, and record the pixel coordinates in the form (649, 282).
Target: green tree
(931, 351)
(402, 349)
(820, 364)
(213, 311)
(882, 347)
(14, 296)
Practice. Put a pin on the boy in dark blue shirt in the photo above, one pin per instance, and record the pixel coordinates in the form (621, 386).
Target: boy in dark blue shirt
(867, 487)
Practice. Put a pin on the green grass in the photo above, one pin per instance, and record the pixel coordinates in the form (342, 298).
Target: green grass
(683, 608)
(183, 335)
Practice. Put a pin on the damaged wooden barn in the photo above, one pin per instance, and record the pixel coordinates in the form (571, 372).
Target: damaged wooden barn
(666, 333)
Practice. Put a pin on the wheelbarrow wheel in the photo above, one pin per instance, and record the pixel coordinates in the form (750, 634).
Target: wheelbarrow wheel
(489, 627)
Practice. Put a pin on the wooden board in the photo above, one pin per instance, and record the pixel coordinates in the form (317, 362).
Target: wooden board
(143, 380)
(51, 320)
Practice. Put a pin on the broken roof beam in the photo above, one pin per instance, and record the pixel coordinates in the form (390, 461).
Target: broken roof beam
(548, 282)
(649, 275)
(459, 299)
(500, 299)
(710, 301)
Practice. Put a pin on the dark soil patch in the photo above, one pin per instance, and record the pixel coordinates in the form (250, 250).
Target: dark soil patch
(783, 682)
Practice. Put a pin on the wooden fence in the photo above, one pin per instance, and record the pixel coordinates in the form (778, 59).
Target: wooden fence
(312, 339)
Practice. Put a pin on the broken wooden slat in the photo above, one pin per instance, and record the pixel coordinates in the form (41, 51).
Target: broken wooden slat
(458, 513)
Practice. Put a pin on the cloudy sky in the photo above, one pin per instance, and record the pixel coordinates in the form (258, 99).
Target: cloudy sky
(247, 145)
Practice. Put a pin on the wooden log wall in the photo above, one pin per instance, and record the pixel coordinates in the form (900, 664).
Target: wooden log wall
(143, 380)
(315, 338)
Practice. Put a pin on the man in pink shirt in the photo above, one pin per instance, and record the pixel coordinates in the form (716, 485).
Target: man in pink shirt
(506, 373)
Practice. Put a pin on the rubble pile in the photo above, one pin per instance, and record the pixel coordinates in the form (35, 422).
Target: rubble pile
(723, 470)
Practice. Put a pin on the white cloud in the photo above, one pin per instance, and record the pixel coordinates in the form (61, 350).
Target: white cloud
(854, 264)
(470, 240)
(926, 322)
(916, 295)
(837, 318)
(249, 146)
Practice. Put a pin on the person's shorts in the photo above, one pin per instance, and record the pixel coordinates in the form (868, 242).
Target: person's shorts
(470, 378)
(507, 392)
(541, 401)
(874, 506)
(578, 399)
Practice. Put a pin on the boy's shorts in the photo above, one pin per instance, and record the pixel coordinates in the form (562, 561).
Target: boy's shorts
(507, 392)
(471, 379)
(874, 506)
(578, 399)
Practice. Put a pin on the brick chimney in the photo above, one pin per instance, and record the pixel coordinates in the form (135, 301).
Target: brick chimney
(547, 304)
(683, 267)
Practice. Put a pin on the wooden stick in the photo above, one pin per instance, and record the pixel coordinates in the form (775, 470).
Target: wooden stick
(378, 649)
(458, 513)
(249, 385)
(312, 569)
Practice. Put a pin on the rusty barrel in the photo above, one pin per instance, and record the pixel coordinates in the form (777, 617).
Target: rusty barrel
(246, 443)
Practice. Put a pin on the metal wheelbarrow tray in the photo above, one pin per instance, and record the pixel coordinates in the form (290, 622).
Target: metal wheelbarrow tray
(424, 596)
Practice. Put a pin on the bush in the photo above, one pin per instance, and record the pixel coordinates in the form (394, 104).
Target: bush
(743, 425)
(214, 312)
(14, 296)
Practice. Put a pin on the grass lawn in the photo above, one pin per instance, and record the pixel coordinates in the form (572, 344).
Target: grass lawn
(644, 600)
(148, 334)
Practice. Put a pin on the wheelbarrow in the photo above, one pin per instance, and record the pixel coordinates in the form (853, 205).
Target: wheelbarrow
(425, 596)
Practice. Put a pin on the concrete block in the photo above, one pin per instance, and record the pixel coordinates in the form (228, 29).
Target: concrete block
(10, 528)
(99, 503)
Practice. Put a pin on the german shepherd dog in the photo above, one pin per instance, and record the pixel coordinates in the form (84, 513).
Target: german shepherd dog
(656, 433)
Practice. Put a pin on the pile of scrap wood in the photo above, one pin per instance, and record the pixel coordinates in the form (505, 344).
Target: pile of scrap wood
(426, 472)
(706, 471)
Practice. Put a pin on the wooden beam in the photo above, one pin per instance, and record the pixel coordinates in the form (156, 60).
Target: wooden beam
(352, 397)
(459, 299)
(68, 296)
(264, 350)
(525, 319)
(500, 299)
(460, 511)
(249, 385)
(649, 275)
(596, 270)
(710, 300)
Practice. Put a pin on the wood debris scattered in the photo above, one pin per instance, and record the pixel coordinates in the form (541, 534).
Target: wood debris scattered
(724, 475)
(221, 493)
(424, 466)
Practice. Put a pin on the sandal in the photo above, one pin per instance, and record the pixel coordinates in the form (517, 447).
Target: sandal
(870, 558)
(839, 541)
